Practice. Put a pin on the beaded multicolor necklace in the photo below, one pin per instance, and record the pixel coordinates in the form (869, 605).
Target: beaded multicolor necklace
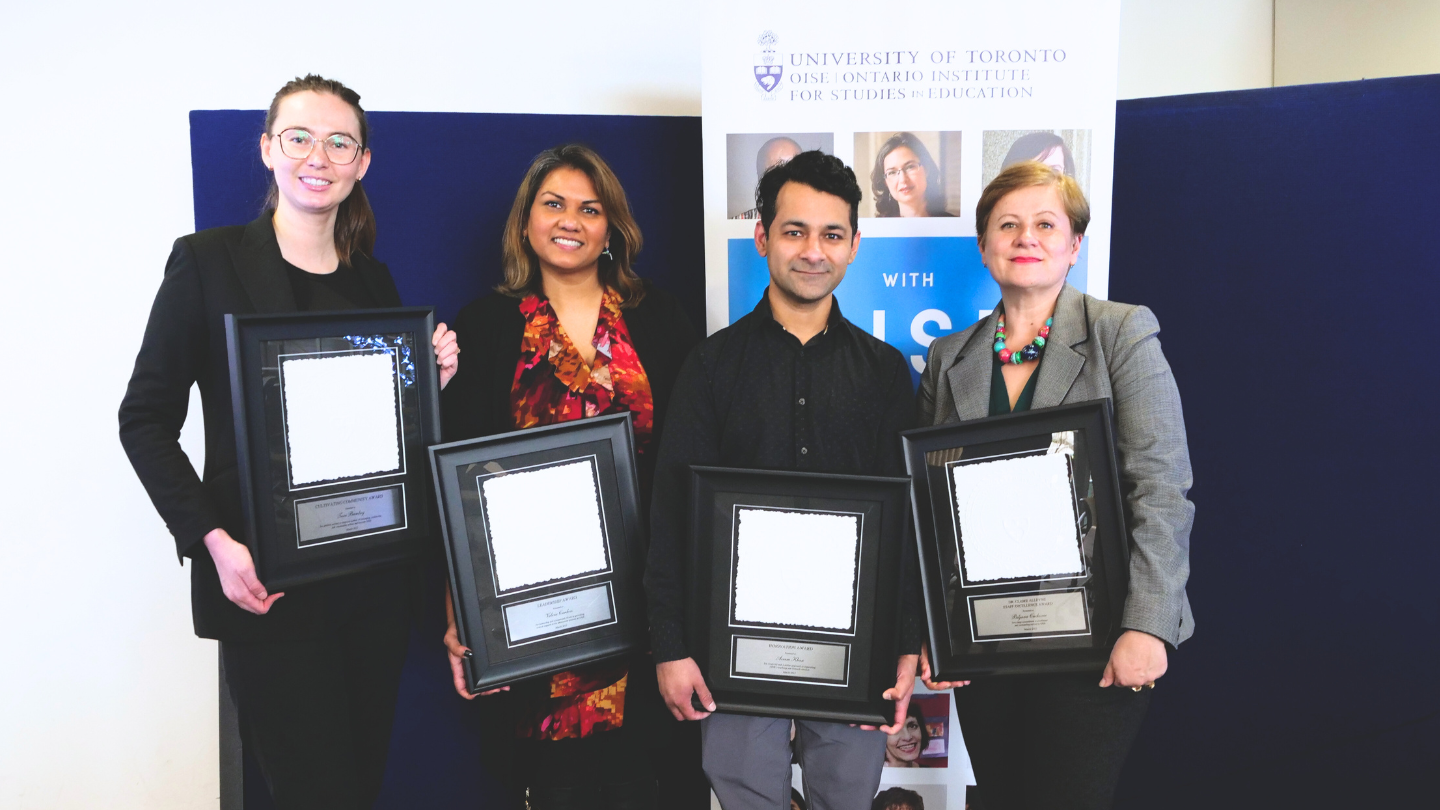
(1031, 352)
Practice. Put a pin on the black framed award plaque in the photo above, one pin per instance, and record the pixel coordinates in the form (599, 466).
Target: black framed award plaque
(333, 412)
(1023, 550)
(545, 544)
(793, 595)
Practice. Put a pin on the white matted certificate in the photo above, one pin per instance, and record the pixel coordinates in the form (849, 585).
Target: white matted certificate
(796, 568)
(1017, 518)
(543, 538)
(341, 414)
(545, 524)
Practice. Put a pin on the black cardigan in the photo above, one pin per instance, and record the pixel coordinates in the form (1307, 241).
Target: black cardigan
(235, 269)
(489, 331)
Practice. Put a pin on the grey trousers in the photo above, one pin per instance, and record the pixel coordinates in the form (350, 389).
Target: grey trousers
(748, 762)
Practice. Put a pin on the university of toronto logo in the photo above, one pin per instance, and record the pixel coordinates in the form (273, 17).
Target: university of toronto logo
(769, 72)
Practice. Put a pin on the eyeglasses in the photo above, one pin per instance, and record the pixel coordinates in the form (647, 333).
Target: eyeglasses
(908, 169)
(297, 144)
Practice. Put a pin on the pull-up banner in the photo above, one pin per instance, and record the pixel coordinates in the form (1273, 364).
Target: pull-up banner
(927, 102)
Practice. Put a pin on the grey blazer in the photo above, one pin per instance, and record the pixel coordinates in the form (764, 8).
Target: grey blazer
(1100, 349)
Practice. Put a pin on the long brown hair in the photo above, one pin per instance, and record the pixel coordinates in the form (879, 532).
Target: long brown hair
(354, 222)
(522, 266)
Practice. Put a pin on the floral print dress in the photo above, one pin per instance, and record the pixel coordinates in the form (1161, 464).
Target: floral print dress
(554, 384)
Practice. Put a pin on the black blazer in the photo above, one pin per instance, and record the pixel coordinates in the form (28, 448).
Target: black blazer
(489, 330)
(236, 269)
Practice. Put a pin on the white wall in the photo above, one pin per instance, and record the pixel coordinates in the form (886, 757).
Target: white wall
(1169, 47)
(106, 699)
(1344, 40)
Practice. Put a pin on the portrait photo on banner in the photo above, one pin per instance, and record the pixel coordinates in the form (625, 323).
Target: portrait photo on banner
(923, 741)
(926, 763)
(908, 173)
(1066, 149)
(748, 155)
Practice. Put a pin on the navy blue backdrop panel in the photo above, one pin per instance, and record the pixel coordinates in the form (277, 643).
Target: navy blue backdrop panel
(1288, 240)
(441, 185)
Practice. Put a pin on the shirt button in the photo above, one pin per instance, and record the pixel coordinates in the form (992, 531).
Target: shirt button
(804, 450)
(802, 400)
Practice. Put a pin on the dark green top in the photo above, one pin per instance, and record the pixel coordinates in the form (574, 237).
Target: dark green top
(1000, 398)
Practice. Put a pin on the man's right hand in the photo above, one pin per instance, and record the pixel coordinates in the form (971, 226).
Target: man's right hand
(237, 573)
(678, 681)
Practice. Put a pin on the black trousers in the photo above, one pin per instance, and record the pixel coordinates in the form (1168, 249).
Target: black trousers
(316, 713)
(600, 771)
(651, 761)
(1048, 742)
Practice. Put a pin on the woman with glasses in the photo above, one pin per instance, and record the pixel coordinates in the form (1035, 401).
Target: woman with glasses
(571, 333)
(905, 181)
(314, 670)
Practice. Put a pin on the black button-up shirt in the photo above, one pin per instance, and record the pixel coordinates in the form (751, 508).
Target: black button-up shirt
(752, 396)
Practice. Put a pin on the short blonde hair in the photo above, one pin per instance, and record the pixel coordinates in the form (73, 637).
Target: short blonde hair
(1026, 174)
(522, 266)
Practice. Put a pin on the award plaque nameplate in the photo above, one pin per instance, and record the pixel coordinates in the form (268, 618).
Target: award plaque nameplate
(1023, 549)
(794, 591)
(333, 412)
(544, 539)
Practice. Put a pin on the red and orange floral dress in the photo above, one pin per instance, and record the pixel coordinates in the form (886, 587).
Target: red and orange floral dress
(553, 384)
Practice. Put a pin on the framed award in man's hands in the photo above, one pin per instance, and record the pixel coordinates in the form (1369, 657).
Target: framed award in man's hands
(333, 412)
(1023, 549)
(544, 539)
(793, 598)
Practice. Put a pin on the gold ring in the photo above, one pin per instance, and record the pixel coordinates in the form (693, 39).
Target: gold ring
(1151, 684)
(1134, 689)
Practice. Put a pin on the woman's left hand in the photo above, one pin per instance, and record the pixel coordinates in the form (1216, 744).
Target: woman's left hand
(447, 353)
(1138, 660)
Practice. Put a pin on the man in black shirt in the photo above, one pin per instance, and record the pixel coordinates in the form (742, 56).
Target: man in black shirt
(793, 386)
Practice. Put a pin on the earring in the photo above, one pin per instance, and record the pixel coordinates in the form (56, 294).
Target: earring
(606, 253)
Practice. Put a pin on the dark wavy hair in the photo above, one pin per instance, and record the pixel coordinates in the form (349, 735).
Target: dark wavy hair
(822, 172)
(354, 221)
(897, 798)
(885, 205)
(1032, 146)
(522, 266)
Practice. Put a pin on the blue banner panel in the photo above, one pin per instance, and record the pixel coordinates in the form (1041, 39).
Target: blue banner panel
(905, 290)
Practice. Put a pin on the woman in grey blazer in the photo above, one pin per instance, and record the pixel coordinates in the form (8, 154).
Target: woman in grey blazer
(1060, 740)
